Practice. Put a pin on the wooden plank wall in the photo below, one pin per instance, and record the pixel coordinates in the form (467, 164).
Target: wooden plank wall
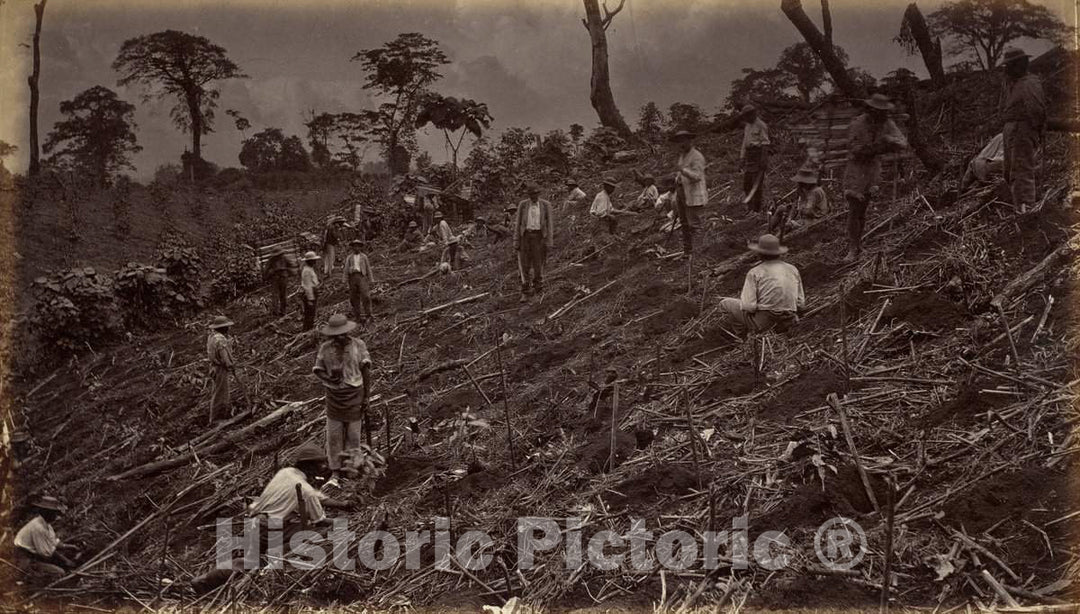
(827, 132)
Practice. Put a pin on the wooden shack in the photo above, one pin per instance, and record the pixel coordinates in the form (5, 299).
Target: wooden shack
(825, 129)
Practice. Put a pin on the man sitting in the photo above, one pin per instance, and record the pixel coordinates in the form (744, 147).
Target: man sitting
(38, 551)
(772, 293)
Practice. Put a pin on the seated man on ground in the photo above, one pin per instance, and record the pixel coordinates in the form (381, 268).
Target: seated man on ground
(772, 294)
(39, 553)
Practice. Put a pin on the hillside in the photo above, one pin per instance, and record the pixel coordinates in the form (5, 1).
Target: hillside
(978, 445)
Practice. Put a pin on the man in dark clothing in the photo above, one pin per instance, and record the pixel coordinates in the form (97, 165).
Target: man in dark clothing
(1024, 114)
(532, 240)
(278, 270)
(360, 279)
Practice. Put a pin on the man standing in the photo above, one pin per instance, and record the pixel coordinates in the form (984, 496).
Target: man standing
(448, 239)
(870, 135)
(1024, 114)
(38, 550)
(755, 157)
(219, 353)
(277, 271)
(691, 193)
(360, 279)
(309, 290)
(344, 367)
(533, 232)
(576, 194)
(772, 293)
(331, 240)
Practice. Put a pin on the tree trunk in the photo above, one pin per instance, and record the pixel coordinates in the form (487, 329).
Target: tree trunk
(929, 48)
(600, 86)
(826, 21)
(35, 162)
(825, 52)
(927, 156)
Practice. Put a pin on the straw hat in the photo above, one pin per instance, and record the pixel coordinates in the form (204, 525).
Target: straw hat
(309, 256)
(220, 322)
(1014, 53)
(438, 215)
(338, 324)
(307, 453)
(532, 188)
(683, 135)
(768, 245)
(880, 102)
(747, 110)
(46, 502)
(412, 224)
(610, 181)
(356, 242)
(806, 175)
(572, 183)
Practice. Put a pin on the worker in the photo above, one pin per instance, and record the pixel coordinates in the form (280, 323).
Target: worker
(533, 234)
(811, 203)
(278, 270)
(691, 192)
(576, 194)
(360, 280)
(870, 135)
(20, 442)
(509, 216)
(665, 201)
(772, 293)
(755, 157)
(309, 290)
(602, 207)
(988, 163)
(1024, 117)
(38, 551)
(279, 500)
(331, 240)
(427, 212)
(649, 192)
(447, 239)
(413, 238)
(344, 367)
(219, 353)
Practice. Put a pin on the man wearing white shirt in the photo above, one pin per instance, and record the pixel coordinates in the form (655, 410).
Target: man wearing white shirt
(691, 192)
(576, 194)
(754, 154)
(533, 232)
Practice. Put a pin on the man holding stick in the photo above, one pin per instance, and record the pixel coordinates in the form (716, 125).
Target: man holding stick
(691, 193)
(1024, 114)
(754, 155)
(343, 364)
(533, 232)
(219, 353)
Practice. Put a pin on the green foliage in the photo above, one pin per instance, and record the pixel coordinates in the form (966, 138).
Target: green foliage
(232, 267)
(96, 136)
(981, 29)
(337, 139)
(603, 143)
(74, 309)
(683, 116)
(451, 115)
(270, 150)
(650, 121)
(184, 267)
(147, 294)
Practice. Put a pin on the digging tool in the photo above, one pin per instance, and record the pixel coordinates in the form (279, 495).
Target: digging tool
(753, 192)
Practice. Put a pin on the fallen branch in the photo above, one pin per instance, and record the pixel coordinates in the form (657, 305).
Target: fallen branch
(1053, 263)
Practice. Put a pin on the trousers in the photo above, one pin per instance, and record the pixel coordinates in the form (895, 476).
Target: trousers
(857, 207)
(329, 255)
(279, 287)
(340, 436)
(1021, 141)
(689, 221)
(220, 396)
(531, 255)
(757, 322)
(360, 295)
(750, 178)
(309, 312)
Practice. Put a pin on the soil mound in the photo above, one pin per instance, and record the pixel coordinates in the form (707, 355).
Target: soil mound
(677, 313)
(1015, 494)
(403, 472)
(807, 592)
(811, 505)
(964, 407)
(740, 382)
(655, 483)
(806, 391)
(455, 403)
(926, 311)
(595, 455)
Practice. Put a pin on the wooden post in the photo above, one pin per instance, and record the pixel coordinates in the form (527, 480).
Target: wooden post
(614, 423)
(506, 403)
(835, 403)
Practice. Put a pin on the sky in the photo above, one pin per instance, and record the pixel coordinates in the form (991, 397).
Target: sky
(529, 60)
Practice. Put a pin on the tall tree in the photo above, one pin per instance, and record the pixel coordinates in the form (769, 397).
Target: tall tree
(35, 162)
(915, 36)
(97, 136)
(180, 65)
(400, 71)
(600, 86)
(270, 150)
(650, 120)
(242, 124)
(806, 69)
(982, 28)
(770, 84)
(683, 116)
(451, 115)
(825, 51)
(320, 131)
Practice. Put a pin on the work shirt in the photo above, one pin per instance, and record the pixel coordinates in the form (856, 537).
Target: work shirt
(532, 216)
(773, 285)
(278, 498)
(521, 221)
(601, 205)
(219, 350)
(666, 201)
(358, 263)
(445, 234)
(814, 204)
(37, 537)
(990, 159)
(863, 170)
(692, 176)
(309, 281)
(278, 266)
(755, 134)
(648, 196)
(576, 195)
(346, 360)
(1026, 102)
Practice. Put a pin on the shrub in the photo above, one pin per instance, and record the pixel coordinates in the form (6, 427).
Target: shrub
(146, 294)
(183, 266)
(74, 308)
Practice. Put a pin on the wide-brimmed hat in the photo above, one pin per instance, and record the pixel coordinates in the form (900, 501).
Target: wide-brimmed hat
(880, 102)
(649, 178)
(20, 436)
(611, 181)
(338, 324)
(572, 183)
(308, 452)
(510, 208)
(1014, 53)
(220, 322)
(438, 214)
(356, 242)
(768, 245)
(311, 256)
(412, 224)
(481, 219)
(532, 188)
(683, 135)
(747, 110)
(805, 175)
(46, 502)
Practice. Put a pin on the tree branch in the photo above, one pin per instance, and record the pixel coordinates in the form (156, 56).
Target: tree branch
(609, 15)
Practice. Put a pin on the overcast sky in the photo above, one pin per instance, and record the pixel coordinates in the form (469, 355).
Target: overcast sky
(529, 60)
